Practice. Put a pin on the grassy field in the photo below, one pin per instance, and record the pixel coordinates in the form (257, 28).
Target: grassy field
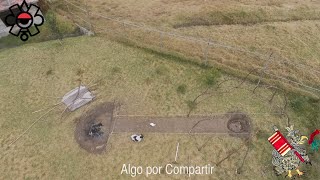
(287, 29)
(34, 76)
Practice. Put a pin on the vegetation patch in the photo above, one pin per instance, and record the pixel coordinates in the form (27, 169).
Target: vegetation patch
(246, 17)
(182, 89)
(211, 77)
(307, 109)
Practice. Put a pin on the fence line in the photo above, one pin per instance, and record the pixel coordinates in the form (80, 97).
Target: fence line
(84, 10)
(263, 58)
(280, 77)
(79, 17)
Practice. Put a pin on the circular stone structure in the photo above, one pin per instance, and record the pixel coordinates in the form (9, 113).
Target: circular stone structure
(239, 124)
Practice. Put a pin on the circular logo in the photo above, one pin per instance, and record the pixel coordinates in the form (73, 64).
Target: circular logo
(24, 20)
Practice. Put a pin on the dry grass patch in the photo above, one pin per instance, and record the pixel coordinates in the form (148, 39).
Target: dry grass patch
(286, 29)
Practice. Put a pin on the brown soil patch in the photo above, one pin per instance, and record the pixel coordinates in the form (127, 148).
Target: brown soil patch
(101, 114)
(193, 124)
(236, 124)
(239, 125)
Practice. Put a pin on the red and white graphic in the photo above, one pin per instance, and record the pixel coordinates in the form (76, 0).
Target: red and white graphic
(281, 144)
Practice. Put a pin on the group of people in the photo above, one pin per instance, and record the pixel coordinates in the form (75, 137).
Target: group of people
(95, 130)
(137, 137)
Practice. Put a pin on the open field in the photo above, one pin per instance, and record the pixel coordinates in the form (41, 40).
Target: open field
(148, 83)
(34, 76)
(286, 29)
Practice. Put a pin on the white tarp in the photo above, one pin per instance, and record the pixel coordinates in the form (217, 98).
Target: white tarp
(77, 98)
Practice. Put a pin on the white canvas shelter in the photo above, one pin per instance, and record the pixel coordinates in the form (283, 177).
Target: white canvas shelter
(77, 98)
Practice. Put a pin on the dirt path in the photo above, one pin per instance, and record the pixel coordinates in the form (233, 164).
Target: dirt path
(213, 124)
(235, 124)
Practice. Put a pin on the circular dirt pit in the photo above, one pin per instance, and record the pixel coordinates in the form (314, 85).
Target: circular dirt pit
(101, 114)
(239, 125)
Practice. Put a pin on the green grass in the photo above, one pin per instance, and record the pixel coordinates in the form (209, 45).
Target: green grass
(211, 78)
(182, 89)
(307, 109)
(146, 84)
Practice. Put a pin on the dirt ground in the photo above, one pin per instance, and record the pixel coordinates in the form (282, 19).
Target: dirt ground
(218, 124)
(101, 114)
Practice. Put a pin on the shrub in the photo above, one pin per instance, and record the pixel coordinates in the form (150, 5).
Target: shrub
(51, 20)
(192, 104)
(211, 77)
(49, 72)
(182, 89)
(161, 70)
(80, 71)
(116, 70)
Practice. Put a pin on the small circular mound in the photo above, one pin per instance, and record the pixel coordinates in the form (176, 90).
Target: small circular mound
(239, 125)
(94, 127)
